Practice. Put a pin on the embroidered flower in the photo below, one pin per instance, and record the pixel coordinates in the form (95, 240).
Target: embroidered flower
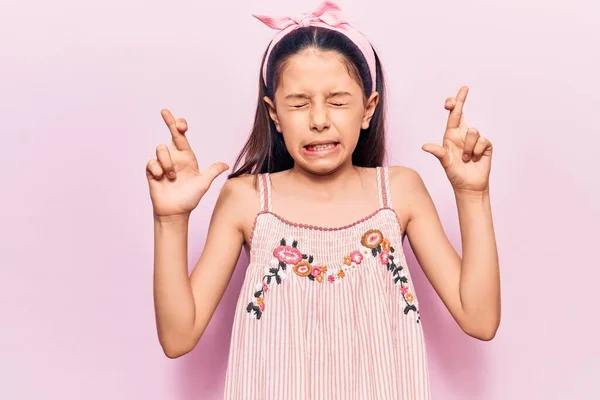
(356, 257)
(384, 257)
(385, 245)
(372, 238)
(288, 254)
(341, 274)
(331, 278)
(316, 271)
(403, 289)
(303, 268)
(348, 260)
(409, 298)
(319, 278)
(265, 287)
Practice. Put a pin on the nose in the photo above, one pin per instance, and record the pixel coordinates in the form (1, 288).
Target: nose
(319, 118)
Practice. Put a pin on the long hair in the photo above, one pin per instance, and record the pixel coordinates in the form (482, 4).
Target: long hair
(265, 150)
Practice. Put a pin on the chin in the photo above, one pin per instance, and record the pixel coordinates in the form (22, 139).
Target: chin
(322, 166)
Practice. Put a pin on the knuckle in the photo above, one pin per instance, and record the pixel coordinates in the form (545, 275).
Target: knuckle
(154, 168)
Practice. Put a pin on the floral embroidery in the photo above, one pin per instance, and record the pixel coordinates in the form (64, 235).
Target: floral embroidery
(382, 249)
(384, 257)
(372, 239)
(287, 254)
(303, 265)
(356, 257)
(385, 245)
(284, 256)
(303, 268)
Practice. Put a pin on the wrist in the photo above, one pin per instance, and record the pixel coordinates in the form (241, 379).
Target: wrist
(177, 219)
(470, 194)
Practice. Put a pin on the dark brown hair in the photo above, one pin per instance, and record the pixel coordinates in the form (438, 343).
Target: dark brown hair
(265, 150)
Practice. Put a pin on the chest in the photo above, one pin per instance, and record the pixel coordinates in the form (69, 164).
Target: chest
(376, 236)
(345, 228)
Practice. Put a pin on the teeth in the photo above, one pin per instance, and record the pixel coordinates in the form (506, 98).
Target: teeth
(319, 147)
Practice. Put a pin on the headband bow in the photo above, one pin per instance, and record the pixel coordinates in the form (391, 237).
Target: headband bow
(327, 12)
(327, 15)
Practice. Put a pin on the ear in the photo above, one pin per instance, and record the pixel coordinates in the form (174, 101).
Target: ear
(370, 109)
(272, 112)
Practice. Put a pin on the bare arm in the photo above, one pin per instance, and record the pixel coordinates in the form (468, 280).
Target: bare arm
(185, 304)
(469, 287)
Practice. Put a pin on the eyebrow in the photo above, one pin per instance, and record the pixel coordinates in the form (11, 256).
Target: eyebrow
(305, 96)
(341, 93)
(297, 96)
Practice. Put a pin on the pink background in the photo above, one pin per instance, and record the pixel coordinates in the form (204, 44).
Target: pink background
(82, 85)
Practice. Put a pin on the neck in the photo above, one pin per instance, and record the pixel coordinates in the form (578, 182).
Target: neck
(329, 184)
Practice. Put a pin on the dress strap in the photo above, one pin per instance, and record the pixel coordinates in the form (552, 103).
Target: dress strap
(383, 185)
(264, 187)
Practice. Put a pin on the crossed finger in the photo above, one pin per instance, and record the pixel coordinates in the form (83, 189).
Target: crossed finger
(164, 158)
(471, 139)
(482, 146)
(177, 129)
(455, 116)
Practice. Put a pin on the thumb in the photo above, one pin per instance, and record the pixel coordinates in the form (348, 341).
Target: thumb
(214, 170)
(438, 151)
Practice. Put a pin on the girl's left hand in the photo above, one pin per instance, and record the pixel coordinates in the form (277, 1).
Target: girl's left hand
(465, 155)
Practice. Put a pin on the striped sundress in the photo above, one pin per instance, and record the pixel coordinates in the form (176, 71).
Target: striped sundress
(327, 313)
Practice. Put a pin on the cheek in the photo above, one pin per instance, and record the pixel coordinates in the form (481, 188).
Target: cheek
(347, 122)
(293, 129)
(293, 124)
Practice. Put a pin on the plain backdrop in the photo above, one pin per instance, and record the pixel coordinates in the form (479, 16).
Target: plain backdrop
(81, 89)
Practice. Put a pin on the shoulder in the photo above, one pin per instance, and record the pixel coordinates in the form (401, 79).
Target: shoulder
(238, 202)
(409, 195)
(240, 186)
(239, 195)
(404, 179)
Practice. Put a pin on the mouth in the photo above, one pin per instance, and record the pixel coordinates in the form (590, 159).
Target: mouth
(321, 147)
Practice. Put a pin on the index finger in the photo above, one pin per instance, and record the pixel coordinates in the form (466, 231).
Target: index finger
(456, 114)
(180, 141)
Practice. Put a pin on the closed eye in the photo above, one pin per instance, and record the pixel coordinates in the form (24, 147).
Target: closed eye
(338, 104)
(299, 105)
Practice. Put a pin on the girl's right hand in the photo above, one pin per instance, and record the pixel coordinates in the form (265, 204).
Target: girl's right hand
(176, 183)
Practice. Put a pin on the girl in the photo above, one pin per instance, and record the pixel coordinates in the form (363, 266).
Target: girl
(327, 309)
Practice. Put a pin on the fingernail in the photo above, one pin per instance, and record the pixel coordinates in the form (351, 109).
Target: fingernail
(172, 175)
(465, 156)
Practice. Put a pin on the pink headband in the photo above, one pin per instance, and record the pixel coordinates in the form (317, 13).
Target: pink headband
(325, 16)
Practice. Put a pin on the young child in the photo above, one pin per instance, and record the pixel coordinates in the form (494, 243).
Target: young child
(327, 309)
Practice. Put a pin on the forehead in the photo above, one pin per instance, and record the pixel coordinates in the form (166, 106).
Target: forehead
(316, 70)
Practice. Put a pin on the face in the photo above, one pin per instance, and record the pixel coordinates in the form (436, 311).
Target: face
(319, 108)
